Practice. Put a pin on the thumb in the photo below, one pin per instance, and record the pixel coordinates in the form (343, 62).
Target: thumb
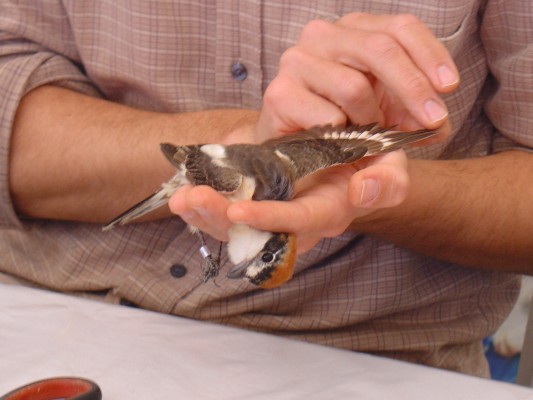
(382, 184)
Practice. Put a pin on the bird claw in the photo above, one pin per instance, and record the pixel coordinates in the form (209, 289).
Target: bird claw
(211, 266)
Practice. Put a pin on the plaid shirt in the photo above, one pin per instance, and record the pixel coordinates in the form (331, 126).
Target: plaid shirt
(353, 291)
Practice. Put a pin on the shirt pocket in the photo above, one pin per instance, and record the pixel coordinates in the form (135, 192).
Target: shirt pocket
(456, 39)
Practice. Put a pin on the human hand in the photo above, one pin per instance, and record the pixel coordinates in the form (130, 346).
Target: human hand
(326, 203)
(361, 69)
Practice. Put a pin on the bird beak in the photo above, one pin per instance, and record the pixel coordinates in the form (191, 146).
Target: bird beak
(239, 270)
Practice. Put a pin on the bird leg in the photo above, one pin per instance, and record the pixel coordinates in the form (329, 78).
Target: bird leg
(212, 264)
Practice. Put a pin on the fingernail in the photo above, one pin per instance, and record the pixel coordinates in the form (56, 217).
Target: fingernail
(447, 76)
(370, 191)
(435, 111)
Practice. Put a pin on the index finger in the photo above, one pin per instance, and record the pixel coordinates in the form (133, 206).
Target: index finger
(426, 51)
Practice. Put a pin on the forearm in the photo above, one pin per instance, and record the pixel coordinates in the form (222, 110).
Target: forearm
(476, 212)
(76, 157)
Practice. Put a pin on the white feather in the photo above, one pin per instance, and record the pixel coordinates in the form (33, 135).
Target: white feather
(253, 270)
(246, 190)
(215, 151)
(245, 242)
(283, 156)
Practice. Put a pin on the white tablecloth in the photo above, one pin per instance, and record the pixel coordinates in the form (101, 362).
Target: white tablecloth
(134, 354)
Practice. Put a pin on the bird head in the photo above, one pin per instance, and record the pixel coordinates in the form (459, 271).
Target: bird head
(272, 265)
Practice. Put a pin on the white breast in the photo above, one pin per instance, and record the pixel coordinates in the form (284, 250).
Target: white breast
(245, 242)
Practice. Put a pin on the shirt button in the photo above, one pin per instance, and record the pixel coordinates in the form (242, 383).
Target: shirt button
(239, 71)
(178, 270)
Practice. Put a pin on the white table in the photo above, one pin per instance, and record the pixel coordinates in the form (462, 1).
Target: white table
(134, 354)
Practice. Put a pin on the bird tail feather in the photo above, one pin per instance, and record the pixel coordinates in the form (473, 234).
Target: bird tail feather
(138, 210)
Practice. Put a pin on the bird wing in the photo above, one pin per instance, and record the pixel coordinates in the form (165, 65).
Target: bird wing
(203, 168)
(325, 146)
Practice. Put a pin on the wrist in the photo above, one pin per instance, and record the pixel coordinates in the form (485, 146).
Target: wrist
(244, 128)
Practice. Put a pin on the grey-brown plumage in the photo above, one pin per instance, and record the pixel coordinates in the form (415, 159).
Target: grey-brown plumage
(268, 171)
(278, 163)
(323, 147)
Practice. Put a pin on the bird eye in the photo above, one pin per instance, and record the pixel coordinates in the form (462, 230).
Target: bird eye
(267, 257)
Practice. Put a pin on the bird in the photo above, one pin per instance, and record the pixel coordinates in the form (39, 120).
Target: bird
(266, 171)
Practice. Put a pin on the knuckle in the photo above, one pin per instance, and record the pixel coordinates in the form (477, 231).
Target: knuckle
(315, 29)
(382, 45)
(403, 21)
(291, 58)
(356, 16)
(354, 88)
(353, 19)
(274, 98)
(275, 91)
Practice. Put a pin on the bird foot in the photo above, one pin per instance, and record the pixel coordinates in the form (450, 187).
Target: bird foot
(211, 264)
